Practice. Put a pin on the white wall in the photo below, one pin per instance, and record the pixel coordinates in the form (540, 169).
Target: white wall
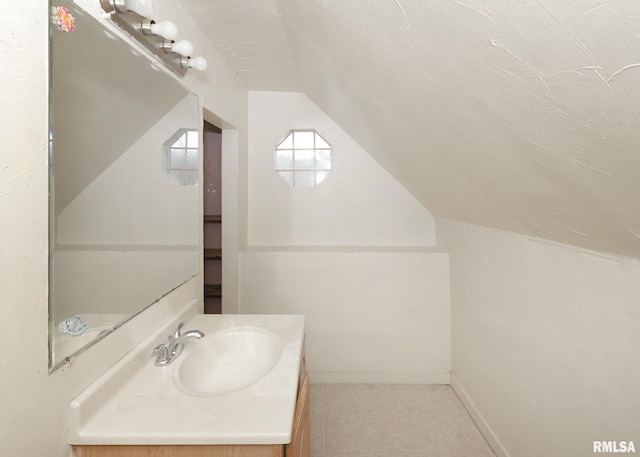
(358, 204)
(352, 254)
(546, 341)
(34, 403)
(371, 316)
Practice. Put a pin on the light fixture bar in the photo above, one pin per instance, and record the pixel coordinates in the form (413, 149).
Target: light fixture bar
(132, 23)
(119, 5)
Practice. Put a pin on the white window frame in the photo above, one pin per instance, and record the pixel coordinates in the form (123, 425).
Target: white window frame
(183, 161)
(303, 158)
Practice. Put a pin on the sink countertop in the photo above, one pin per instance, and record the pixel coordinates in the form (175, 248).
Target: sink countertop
(136, 402)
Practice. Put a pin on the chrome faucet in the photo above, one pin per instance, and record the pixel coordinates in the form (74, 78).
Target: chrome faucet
(169, 351)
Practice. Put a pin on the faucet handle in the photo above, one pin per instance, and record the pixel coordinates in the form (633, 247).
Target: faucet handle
(162, 357)
(161, 348)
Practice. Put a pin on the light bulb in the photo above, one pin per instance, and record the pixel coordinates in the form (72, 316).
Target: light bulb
(182, 47)
(198, 63)
(165, 29)
(142, 7)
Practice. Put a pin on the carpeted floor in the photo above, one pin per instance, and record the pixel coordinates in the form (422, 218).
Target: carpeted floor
(381, 420)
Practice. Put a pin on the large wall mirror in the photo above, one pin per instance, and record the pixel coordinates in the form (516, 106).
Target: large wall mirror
(124, 196)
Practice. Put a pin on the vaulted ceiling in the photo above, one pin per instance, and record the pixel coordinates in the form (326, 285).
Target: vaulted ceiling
(518, 115)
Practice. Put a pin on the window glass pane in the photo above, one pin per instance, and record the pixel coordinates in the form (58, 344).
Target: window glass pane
(304, 160)
(303, 140)
(183, 162)
(192, 139)
(287, 143)
(190, 178)
(320, 175)
(181, 142)
(192, 159)
(176, 158)
(323, 159)
(284, 160)
(320, 143)
(305, 178)
(287, 175)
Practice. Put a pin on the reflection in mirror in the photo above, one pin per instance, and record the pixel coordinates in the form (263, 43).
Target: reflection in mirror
(123, 231)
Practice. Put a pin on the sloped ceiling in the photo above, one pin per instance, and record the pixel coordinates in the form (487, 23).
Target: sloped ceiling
(518, 115)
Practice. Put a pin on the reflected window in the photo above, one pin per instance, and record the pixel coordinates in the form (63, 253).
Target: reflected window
(183, 160)
(303, 158)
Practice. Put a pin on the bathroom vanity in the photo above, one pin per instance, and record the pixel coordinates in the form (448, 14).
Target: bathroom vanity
(202, 405)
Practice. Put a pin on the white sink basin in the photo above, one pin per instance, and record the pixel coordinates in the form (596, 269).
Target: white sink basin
(227, 361)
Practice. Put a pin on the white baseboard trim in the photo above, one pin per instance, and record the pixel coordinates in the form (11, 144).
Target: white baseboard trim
(379, 377)
(478, 418)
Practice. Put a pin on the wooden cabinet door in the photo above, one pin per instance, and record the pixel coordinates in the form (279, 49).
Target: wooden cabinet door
(300, 445)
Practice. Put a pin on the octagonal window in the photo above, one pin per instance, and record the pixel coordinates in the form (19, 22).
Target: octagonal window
(183, 161)
(303, 158)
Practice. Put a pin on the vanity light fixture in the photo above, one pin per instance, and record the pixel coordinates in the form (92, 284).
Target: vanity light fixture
(133, 16)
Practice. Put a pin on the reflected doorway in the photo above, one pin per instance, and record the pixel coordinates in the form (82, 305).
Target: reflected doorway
(212, 206)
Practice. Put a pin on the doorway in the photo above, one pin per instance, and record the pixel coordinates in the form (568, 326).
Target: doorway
(212, 207)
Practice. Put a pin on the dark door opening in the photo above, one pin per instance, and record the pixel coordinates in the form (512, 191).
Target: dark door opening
(212, 203)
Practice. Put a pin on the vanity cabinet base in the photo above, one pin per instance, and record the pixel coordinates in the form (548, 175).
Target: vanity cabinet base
(300, 445)
(179, 451)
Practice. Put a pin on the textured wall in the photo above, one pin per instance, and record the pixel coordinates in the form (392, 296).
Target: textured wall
(545, 341)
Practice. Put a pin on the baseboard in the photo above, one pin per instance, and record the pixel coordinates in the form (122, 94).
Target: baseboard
(379, 377)
(478, 418)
